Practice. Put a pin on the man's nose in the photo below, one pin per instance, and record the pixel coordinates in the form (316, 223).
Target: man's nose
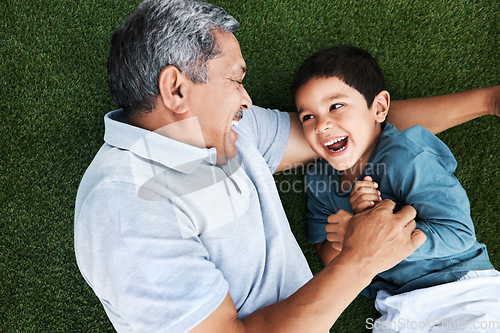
(246, 102)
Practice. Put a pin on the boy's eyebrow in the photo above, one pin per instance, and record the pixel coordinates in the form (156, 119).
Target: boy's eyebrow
(326, 99)
(334, 96)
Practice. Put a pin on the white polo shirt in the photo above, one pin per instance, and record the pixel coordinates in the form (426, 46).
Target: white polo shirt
(162, 234)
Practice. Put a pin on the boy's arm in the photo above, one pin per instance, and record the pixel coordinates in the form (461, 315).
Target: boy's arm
(436, 113)
(326, 252)
(335, 234)
(441, 204)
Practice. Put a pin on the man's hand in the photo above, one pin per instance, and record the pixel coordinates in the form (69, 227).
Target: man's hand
(379, 238)
(336, 227)
(364, 195)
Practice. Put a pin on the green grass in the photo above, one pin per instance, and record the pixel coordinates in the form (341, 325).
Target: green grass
(53, 96)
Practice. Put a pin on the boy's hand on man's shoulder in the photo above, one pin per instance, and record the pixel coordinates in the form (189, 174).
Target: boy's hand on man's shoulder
(364, 195)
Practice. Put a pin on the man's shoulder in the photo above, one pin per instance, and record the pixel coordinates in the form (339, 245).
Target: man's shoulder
(105, 169)
(264, 132)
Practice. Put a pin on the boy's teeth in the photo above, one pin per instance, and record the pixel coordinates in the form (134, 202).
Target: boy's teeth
(331, 142)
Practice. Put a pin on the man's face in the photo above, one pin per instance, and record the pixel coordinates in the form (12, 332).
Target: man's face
(337, 122)
(217, 103)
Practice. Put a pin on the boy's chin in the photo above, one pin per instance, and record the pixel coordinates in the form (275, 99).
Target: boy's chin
(342, 167)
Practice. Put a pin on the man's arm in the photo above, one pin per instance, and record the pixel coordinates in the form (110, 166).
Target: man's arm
(436, 113)
(297, 152)
(375, 241)
(439, 113)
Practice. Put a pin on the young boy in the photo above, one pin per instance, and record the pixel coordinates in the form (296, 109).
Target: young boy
(342, 103)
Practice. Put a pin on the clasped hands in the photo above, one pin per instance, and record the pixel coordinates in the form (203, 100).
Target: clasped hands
(364, 195)
(374, 232)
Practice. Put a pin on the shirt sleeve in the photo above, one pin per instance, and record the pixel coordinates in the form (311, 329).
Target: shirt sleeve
(318, 209)
(269, 129)
(443, 211)
(149, 276)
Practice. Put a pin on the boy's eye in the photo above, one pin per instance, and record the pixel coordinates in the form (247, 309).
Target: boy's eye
(306, 117)
(335, 106)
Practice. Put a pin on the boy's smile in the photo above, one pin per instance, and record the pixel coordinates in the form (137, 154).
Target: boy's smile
(337, 122)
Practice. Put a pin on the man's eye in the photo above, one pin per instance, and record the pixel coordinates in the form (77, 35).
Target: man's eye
(306, 117)
(335, 106)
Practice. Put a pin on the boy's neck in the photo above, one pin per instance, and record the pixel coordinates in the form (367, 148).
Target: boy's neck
(351, 175)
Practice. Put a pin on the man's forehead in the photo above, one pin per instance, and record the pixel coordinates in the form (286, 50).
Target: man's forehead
(230, 53)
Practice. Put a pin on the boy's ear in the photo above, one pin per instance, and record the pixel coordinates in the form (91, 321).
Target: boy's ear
(381, 105)
(172, 84)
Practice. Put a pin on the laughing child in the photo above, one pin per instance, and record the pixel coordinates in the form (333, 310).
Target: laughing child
(342, 103)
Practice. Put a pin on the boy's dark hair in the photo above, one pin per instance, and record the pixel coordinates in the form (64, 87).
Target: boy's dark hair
(356, 67)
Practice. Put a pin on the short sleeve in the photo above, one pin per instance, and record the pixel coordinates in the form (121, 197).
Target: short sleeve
(317, 219)
(269, 130)
(319, 205)
(150, 276)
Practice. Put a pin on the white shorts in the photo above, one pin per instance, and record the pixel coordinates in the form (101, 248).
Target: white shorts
(470, 304)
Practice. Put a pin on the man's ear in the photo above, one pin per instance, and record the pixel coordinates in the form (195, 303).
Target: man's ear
(381, 104)
(172, 84)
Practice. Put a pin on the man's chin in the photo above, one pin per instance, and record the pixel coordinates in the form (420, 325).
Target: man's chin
(223, 158)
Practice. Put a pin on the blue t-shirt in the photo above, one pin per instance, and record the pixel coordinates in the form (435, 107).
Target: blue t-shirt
(412, 167)
(162, 234)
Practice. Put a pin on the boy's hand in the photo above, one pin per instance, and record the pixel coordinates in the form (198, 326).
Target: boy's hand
(364, 195)
(335, 229)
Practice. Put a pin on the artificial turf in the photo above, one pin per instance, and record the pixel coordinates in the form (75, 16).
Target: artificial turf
(53, 96)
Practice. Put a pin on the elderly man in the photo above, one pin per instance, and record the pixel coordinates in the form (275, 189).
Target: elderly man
(178, 223)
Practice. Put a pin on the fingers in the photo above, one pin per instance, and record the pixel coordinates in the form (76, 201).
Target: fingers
(418, 238)
(364, 202)
(335, 239)
(407, 213)
(340, 216)
(364, 195)
(389, 205)
(367, 183)
(335, 229)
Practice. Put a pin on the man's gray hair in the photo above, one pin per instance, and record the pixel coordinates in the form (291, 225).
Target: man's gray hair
(157, 34)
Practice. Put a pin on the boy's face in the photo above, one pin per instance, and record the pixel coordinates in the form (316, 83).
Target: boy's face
(337, 122)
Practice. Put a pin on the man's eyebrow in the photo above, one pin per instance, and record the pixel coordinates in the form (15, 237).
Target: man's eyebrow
(237, 70)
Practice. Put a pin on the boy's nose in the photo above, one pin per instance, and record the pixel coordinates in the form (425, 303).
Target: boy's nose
(323, 125)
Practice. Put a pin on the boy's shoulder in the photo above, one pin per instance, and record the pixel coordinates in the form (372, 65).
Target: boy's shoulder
(414, 140)
(401, 148)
